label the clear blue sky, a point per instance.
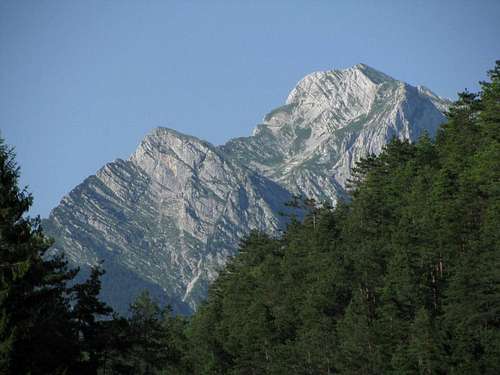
(81, 82)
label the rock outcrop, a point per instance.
(168, 218)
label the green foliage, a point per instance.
(402, 279)
(151, 341)
(36, 331)
(85, 313)
(48, 326)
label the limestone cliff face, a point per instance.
(329, 121)
(168, 218)
(170, 215)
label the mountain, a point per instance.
(167, 218)
(329, 121)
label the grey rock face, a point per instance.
(331, 120)
(172, 214)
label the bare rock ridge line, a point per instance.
(171, 214)
(330, 120)
(168, 218)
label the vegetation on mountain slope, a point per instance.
(403, 278)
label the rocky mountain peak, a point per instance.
(329, 98)
(325, 101)
(167, 218)
(170, 215)
(373, 74)
(163, 146)
(329, 121)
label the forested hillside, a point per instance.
(401, 278)
(404, 278)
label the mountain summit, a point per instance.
(330, 120)
(168, 218)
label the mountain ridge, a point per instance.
(177, 208)
(346, 107)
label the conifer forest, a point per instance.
(400, 277)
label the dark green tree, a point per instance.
(36, 331)
(154, 346)
(14, 252)
(88, 312)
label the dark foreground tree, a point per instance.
(49, 325)
(36, 331)
(88, 313)
(151, 341)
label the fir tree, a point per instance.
(36, 331)
(88, 312)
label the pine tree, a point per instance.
(16, 236)
(86, 312)
(36, 331)
(150, 339)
